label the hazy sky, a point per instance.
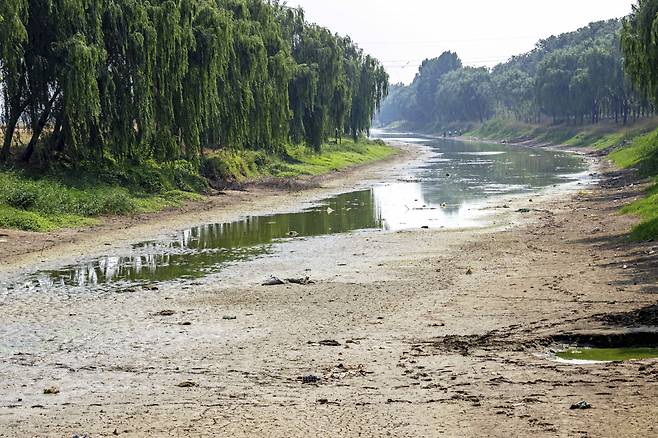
(401, 33)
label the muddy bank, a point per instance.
(21, 250)
(415, 333)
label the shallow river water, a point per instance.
(448, 190)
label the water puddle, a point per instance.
(446, 191)
(596, 355)
(602, 347)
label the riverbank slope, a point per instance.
(23, 249)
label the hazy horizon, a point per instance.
(402, 37)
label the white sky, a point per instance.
(401, 33)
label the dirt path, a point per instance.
(418, 333)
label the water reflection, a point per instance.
(204, 250)
(447, 190)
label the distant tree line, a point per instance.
(575, 78)
(165, 79)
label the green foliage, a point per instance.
(572, 78)
(56, 200)
(640, 45)
(647, 230)
(641, 152)
(39, 222)
(160, 82)
(647, 209)
(298, 160)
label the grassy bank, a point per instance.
(603, 135)
(297, 161)
(39, 200)
(634, 146)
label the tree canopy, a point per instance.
(640, 45)
(574, 77)
(165, 79)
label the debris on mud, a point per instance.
(303, 281)
(311, 378)
(229, 318)
(581, 405)
(325, 401)
(329, 343)
(276, 281)
(187, 384)
(165, 313)
(273, 281)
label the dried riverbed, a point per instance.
(411, 333)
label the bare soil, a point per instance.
(416, 333)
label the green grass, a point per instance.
(334, 157)
(36, 221)
(601, 136)
(296, 161)
(642, 153)
(45, 200)
(52, 202)
(608, 354)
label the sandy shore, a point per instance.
(416, 333)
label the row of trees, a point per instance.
(576, 77)
(164, 79)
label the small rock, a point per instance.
(187, 384)
(166, 313)
(53, 390)
(229, 318)
(310, 379)
(293, 234)
(469, 271)
(425, 227)
(581, 405)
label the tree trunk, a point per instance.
(38, 129)
(10, 129)
(9, 135)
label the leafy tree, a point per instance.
(640, 45)
(131, 80)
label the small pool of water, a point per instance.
(448, 190)
(607, 354)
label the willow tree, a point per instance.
(640, 45)
(13, 36)
(112, 81)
